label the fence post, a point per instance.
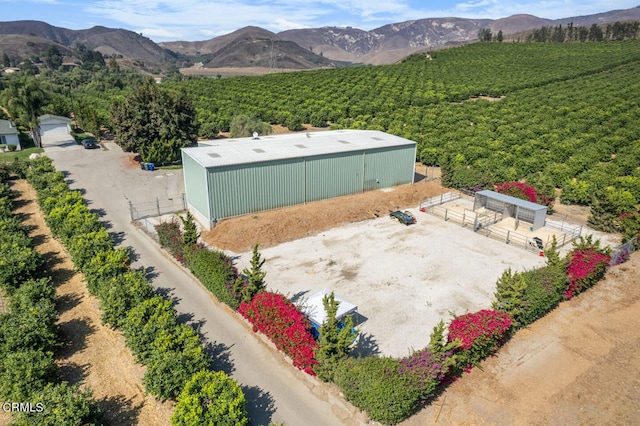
(508, 234)
(446, 212)
(441, 200)
(158, 205)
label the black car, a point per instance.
(403, 217)
(89, 144)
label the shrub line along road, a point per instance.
(274, 392)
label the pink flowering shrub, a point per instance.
(170, 238)
(276, 317)
(480, 334)
(521, 190)
(585, 267)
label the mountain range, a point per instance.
(292, 49)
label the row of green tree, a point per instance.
(177, 364)
(28, 332)
(628, 30)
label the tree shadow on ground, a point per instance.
(260, 405)
(67, 302)
(118, 237)
(119, 410)
(150, 273)
(58, 276)
(100, 212)
(73, 335)
(366, 345)
(221, 355)
(298, 297)
(73, 373)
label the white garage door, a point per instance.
(54, 129)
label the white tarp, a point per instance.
(313, 307)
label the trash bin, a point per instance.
(141, 165)
(151, 167)
(145, 166)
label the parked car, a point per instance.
(89, 144)
(403, 217)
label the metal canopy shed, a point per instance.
(520, 210)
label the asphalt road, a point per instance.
(108, 182)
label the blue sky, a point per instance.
(167, 20)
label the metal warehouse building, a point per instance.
(233, 177)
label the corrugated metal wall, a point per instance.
(195, 186)
(387, 167)
(333, 175)
(248, 188)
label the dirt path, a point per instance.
(578, 365)
(291, 223)
(92, 354)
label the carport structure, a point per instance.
(520, 210)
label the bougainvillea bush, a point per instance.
(521, 190)
(279, 319)
(480, 334)
(170, 238)
(585, 267)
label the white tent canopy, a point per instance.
(313, 307)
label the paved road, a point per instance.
(109, 181)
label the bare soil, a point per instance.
(291, 223)
(577, 365)
(92, 355)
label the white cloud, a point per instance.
(199, 19)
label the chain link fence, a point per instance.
(158, 207)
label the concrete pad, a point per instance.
(404, 279)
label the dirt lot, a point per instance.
(92, 355)
(578, 365)
(291, 223)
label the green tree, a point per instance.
(88, 117)
(210, 398)
(243, 126)
(190, 233)
(150, 115)
(255, 276)
(53, 57)
(63, 404)
(25, 99)
(499, 37)
(334, 340)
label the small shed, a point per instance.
(520, 210)
(313, 308)
(54, 125)
(9, 134)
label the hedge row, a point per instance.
(173, 353)
(28, 333)
(213, 268)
